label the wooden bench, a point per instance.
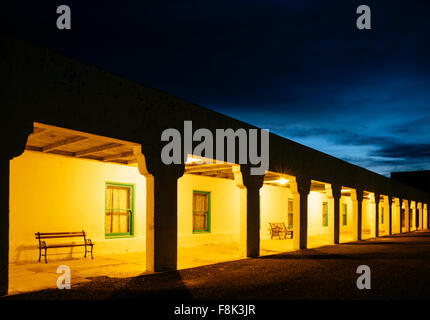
(55, 235)
(280, 230)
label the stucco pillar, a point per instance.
(407, 216)
(4, 223)
(300, 187)
(249, 193)
(398, 206)
(333, 194)
(420, 215)
(426, 215)
(377, 200)
(161, 210)
(390, 215)
(357, 210)
(401, 204)
(17, 129)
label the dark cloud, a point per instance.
(406, 151)
(298, 68)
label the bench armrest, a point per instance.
(42, 244)
(89, 242)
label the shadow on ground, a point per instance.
(166, 285)
(400, 270)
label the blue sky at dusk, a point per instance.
(298, 68)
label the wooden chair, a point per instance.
(279, 229)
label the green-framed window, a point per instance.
(201, 211)
(290, 213)
(344, 214)
(325, 214)
(119, 210)
(382, 215)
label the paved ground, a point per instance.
(35, 276)
(400, 268)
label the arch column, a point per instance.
(398, 209)
(4, 223)
(408, 215)
(357, 211)
(333, 194)
(426, 215)
(406, 211)
(420, 215)
(161, 209)
(17, 129)
(249, 197)
(377, 199)
(300, 187)
(390, 215)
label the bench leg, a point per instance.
(92, 252)
(40, 253)
(85, 255)
(46, 261)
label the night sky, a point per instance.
(298, 68)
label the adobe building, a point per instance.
(82, 152)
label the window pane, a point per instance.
(345, 214)
(290, 220)
(290, 213)
(290, 206)
(325, 214)
(117, 221)
(200, 221)
(200, 202)
(118, 197)
(200, 211)
(118, 209)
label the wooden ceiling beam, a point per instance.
(97, 149)
(33, 148)
(61, 143)
(84, 134)
(215, 172)
(37, 131)
(211, 167)
(118, 156)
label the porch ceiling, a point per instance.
(50, 139)
(224, 170)
(215, 170)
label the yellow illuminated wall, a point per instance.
(348, 228)
(368, 219)
(53, 193)
(315, 221)
(224, 211)
(274, 207)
